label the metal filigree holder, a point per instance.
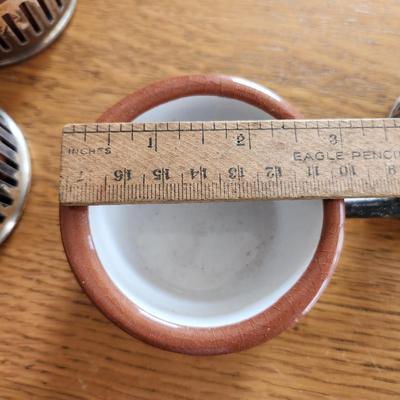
(27, 27)
(15, 174)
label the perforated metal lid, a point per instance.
(27, 27)
(15, 174)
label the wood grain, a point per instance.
(331, 59)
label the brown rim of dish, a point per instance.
(92, 277)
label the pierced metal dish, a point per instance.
(27, 27)
(15, 174)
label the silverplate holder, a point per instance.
(15, 174)
(27, 27)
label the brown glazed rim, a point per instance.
(106, 296)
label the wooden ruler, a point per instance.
(124, 163)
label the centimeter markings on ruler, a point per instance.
(127, 163)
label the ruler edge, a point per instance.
(66, 127)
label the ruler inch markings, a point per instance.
(267, 167)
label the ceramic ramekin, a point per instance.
(200, 330)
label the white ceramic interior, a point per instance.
(206, 265)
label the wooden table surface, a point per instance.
(332, 59)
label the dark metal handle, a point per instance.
(373, 208)
(395, 111)
(376, 207)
